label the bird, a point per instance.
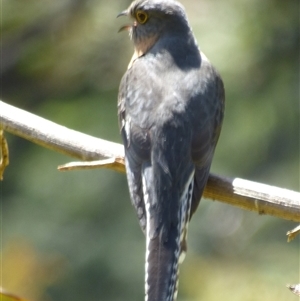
(170, 112)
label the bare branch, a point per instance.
(253, 196)
(257, 197)
(56, 137)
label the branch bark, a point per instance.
(261, 198)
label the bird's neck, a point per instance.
(179, 47)
(182, 50)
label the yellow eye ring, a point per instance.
(141, 16)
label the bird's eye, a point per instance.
(141, 16)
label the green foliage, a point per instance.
(74, 235)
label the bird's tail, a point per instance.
(164, 253)
(162, 258)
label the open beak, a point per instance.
(125, 27)
(123, 13)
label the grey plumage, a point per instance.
(171, 103)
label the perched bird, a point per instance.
(170, 108)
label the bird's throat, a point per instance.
(135, 56)
(141, 47)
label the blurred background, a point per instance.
(74, 235)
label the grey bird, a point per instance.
(170, 109)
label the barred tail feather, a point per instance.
(162, 268)
(163, 256)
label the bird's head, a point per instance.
(153, 20)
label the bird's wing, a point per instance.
(206, 138)
(137, 147)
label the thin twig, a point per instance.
(4, 154)
(248, 195)
(293, 233)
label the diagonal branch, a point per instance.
(263, 199)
